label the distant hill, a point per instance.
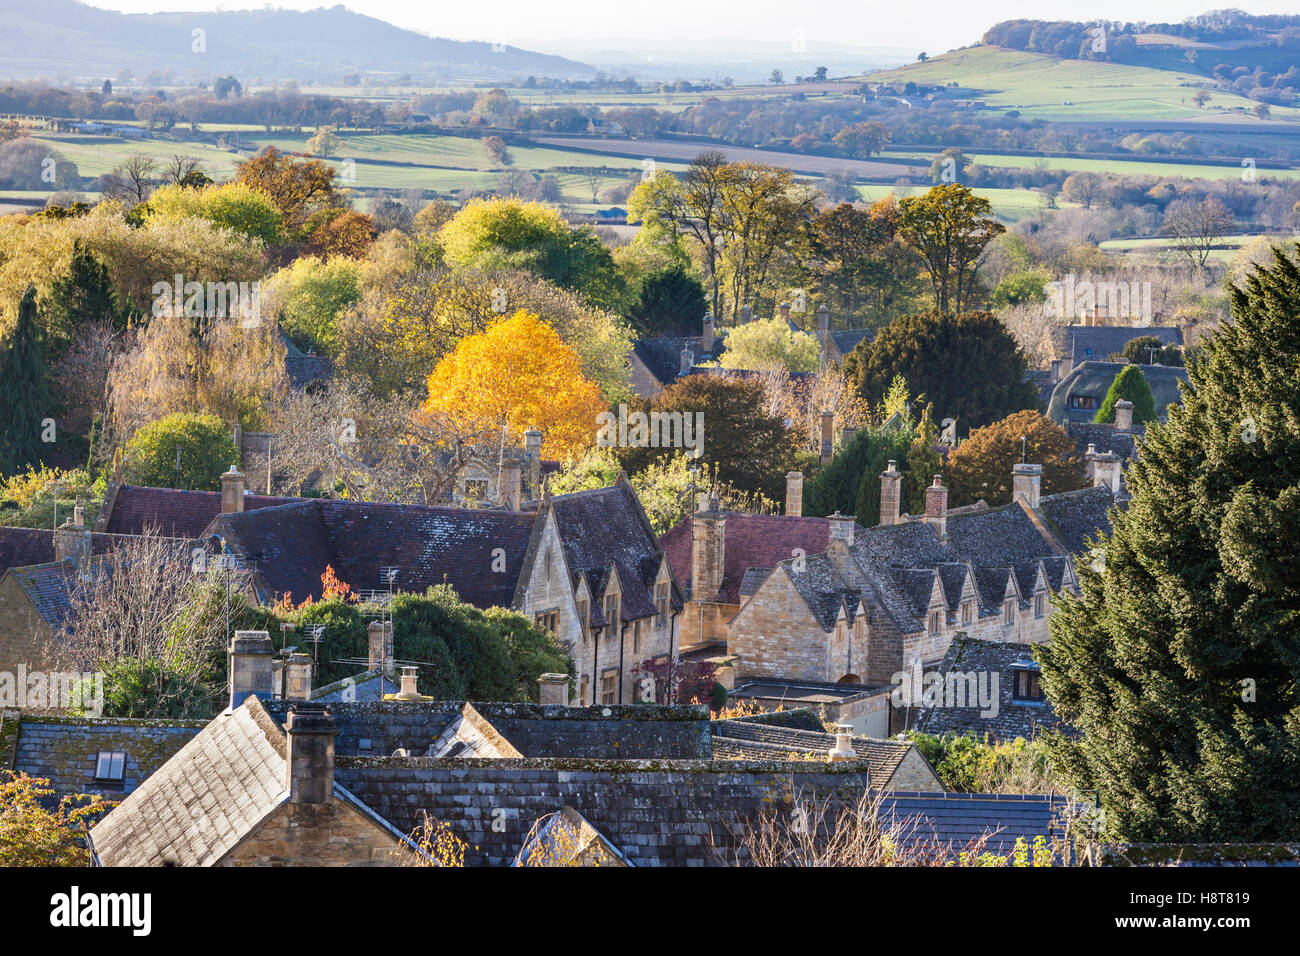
(56, 38)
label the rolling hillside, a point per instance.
(64, 38)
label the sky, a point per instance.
(930, 25)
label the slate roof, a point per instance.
(751, 542)
(303, 369)
(20, 547)
(846, 340)
(63, 750)
(949, 821)
(662, 358)
(290, 545)
(741, 739)
(1013, 718)
(208, 797)
(1097, 343)
(1093, 379)
(1043, 380)
(894, 566)
(605, 528)
(1106, 437)
(174, 513)
(567, 838)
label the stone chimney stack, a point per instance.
(794, 494)
(533, 457)
(824, 332)
(843, 744)
(1104, 468)
(688, 362)
(828, 437)
(706, 340)
(847, 434)
(891, 494)
(746, 314)
(232, 491)
(783, 312)
(1026, 483)
(936, 507)
(72, 540)
(1123, 415)
(708, 551)
(841, 529)
(379, 637)
(309, 753)
(251, 666)
(554, 689)
(297, 682)
(510, 485)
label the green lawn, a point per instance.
(1044, 87)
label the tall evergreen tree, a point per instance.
(83, 295)
(1129, 384)
(1179, 661)
(24, 385)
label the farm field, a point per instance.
(1224, 249)
(1136, 167)
(1009, 205)
(1044, 87)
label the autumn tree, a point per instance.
(298, 186)
(324, 142)
(861, 140)
(37, 830)
(967, 365)
(949, 226)
(981, 466)
(770, 343)
(235, 206)
(516, 375)
(339, 232)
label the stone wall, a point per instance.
(661, 813)
(316, 834)
(24, 635)
(776, 636)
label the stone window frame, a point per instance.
(609, 686)
(967, 612)
(662, 595)
(1009, 612)
(1040, 605)
(549, 619)
(936, 621)
(584, 619)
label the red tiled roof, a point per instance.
(175, 513)
(20, 547)
(751, 541)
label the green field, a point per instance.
(1009, 205)
(1225, 247)
(1074, 164)
(1044, 87)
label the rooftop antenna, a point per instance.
(1023, 442)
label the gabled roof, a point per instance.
(1097, 343)
(604, 531)
(751, 542)
(174, 513)
(1013, 718)
(20, 547)
(846, 340)
(1106, 437)
(290, 545)
(662, 357)
(567, 838)
(740, 739)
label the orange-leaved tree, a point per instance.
(516, 375)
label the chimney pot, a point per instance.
(309, 754)
(936, 507)
(410, 678)
(843, 743)
(553, 688)
(841, 528)
(232, 491)
(794, 494)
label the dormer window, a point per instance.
(967, 612)
(1009, 613)
(611, 612)
(661, 604)
(110, 767)
(1040, 605)
(1025, 686)
(936, 622)
(583, 620)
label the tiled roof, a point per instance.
(1097, 343)
(566, 838)
(49, 587)
(1013, 718)
(1106, 438)
(605, 528)
(894, 565)
(846, 340)
(882, 756)
(1044, 380)
(63, 751)
(751, 542)
(290, 545)
(663, 356)
(20, 547)
(949, 821)
(174, 513)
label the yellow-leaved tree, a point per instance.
(518, 374)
